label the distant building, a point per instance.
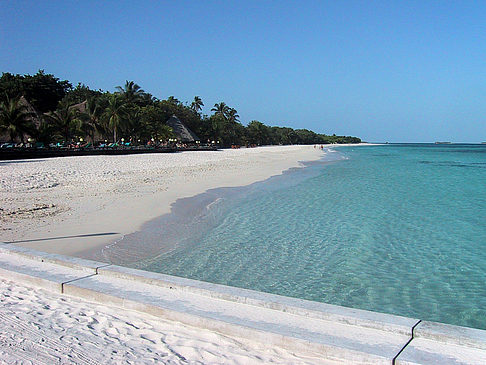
(33, 115)
(81, 107)
(183, 133)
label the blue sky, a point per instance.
(398, 71)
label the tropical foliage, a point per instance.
(15, 119)
(66, 114)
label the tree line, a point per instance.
(46, 109)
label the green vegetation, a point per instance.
(47, 109)
(15, 119)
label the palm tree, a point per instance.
(133, 122)
(15, 119)
(221, 109)
(115, 114)
(153, 125)
(159, 131)
(173, 100)
(131, 92)
(197, 104)
(232, 115)
(90, 119)
(63, 120)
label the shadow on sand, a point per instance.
(62, 237)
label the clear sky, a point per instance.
(398, 71)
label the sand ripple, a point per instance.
(39, 327)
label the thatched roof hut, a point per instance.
(181, 131)
(33, 115)
(81, 107)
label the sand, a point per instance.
(74, 204)
(39, 327)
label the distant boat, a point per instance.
(443, 142)
(483, 142)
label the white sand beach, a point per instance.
(85, 198)
(73, 204)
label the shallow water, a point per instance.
(396, 228)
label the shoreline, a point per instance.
(68, 205)
(186, 222)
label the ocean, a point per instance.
(395, 228)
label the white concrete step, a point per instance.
(38, 273)
(88, 266)
(334, 332)
(310, 309)
(439, 343)
(337, 333)
(333, 340)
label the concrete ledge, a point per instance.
(88, 266)
(424, 351)
(331, 339)
(439, 343)
(450, 334)
(357, 317)
(36, 272)
(339, 334)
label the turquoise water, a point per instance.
(397, 228)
